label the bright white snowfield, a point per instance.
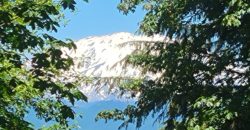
(103, 57)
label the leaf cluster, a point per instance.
(32, 62)
(204, 82)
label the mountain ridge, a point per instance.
(101, 56)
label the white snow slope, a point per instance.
(100, 56)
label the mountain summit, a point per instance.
(99, 56)
(102, 56)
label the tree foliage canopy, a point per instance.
(205, 72)
(31, 64)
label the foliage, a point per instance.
(204, 82)
(31, 64)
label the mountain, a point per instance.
(103, 57)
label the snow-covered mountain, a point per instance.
(102, 56)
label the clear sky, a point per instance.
(99, 17)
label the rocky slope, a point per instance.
(102, 56)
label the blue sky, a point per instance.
(99, 17)
(90, 110)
